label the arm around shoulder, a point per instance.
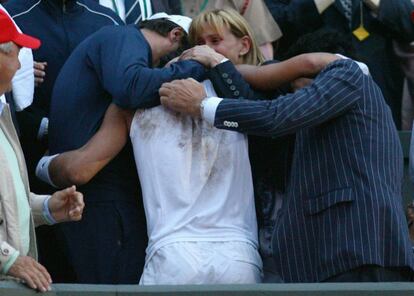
(332, 93)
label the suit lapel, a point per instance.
(11, 135)
(339, 7)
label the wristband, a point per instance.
(42, 169)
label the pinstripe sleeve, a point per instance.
(333, 92)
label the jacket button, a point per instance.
(224, 75)
(236, 93)
(232, 87)
(5, 252)
(229, 81)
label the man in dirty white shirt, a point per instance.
(201, 221)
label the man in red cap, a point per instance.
(10, 43)
(20, 209)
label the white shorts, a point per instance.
(184, 263)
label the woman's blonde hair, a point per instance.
(217, 19)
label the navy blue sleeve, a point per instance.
(123, 59)
(228, 83)
(334, 91)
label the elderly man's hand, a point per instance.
(31, 272)
(67, 205)
(183, 96)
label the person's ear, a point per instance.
(246, 44)
(176, 34)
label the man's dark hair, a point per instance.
(322, 40)
(164, 26)
(161, 26)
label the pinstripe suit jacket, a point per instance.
(343, 202)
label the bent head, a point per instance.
(168, 33)
(322, 40)
(228, 33)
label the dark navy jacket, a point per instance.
(343, 201)
(60, 27)
(112, 65)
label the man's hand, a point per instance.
(203, 54)
(300, 83)
(31, 272)
(66, 205)
(315, 62)
(183, 96)
(39, 72)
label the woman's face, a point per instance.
(226, 43)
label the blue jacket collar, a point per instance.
(60, 5)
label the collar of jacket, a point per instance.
(62, 6)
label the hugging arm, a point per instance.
(81, 165)
(255, 82)
(335, 91)
(272, 76)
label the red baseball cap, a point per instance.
(9, 32)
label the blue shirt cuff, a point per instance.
(10, 262)
(46, 212)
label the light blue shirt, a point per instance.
(21, 196)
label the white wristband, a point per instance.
(42, 169)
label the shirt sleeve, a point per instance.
(8, 256)
(36, 205)
(209, 107)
